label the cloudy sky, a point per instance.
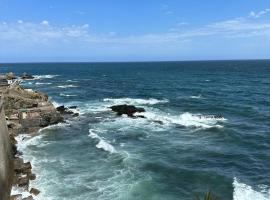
(133, 30)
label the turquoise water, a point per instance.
(101, 156)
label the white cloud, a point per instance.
(260, 13)
(20, 21)
(45, 23)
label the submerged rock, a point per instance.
(16, 197)
(128, 110)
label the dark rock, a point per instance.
(72, 107)
(23, 182)
(50, 118)
(27, 76)
(129, 110)
(16, 197)
(75, 115)
(28, 198)
(34, 191)
(64, 110)
(32, 176)
(158, 121)
(24, 168)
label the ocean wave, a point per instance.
(72, 81)
(67, 86)
(150, 101)
(67, 95)
(39, 83)
(16, 190)
(196, 97)
(246, 192)
(186, 119)
(102, 144)
(37, 77)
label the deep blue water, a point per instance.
(100, 156)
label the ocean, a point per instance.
(177, 152)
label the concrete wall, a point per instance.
(6, 158)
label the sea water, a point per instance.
(175, 153)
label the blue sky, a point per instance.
(125, 30)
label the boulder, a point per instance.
(23, 182)
(16, 197)
(66, 111)
(34, 191)
(28, 198)
(129, 110)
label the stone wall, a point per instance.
(6, 158)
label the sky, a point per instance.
(133, 30)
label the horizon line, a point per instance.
(147, 61)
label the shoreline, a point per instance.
(27, 112)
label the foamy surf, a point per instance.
(67, 95)
(186, 119)
(102, 144)
(37, 77)
(39, 83)
(67, 86)
(132, 101)
(246, 192)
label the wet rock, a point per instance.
(34, 191)
(23, 182)
(27, 76)
(32, 176)
(28, 198)
(72, 107)
(16, 197)
(128, 110)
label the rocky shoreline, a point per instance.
(27, 112)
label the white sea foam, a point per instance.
(67, 95)
(102, 144)
(67, 86)
(16, 190)
(150, 101)
(37, 77)
(246, 192)
(39, 83)
(196, 97)
(72, 81)
(186, 119)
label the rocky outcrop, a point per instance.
(26, 76)
(128, 110)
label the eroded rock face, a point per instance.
(128, 110)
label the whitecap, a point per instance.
(67, 86)
(186, 119)
(37, 77)
(135, 101)
(39, 83)
(67, 95)
(246, 192)
(196, 97)
(102, 144)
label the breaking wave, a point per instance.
(37, 77)
(102, 144)
(150, 101)
(39, 83)
(246, 192)
(186, 119)
(67, 86)
(67, 95)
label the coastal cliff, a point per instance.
(6, 158)
(23, 111)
